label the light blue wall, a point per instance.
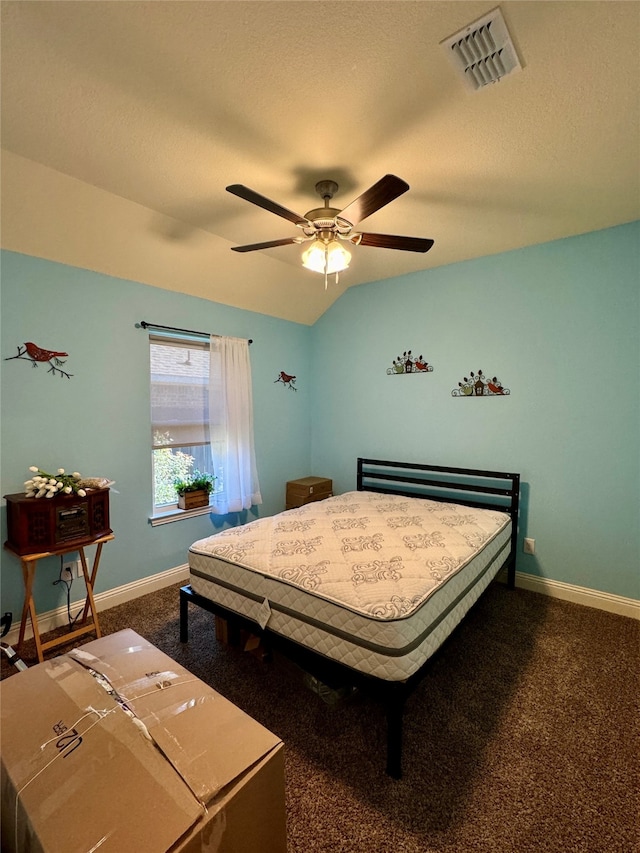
(559, 324)
(97, 422)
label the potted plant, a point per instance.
(194, 490)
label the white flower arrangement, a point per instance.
(43, 485)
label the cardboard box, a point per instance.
(114, 747)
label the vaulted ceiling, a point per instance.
(156, 107)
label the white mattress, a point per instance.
(374, 581)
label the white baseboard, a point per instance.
(555, 589)
(112, 597)
(580, 595)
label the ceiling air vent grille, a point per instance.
(483, 51)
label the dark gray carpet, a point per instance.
(524, 736)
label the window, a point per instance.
(181, 437)
(202, 421)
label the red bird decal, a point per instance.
(35, 354)
(287, 380)
(38, 354)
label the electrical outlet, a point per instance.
(67, 572)
(529, 546)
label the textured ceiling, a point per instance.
(165, 103)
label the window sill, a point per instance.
(170, 515)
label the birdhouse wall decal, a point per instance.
(408, 363)
(38, 355)
(477, 385)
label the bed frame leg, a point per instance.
(184, 615)
(395, 710)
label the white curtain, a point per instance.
(231, 424)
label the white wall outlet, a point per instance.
(67, 574)
(529, 546)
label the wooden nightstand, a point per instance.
(307, 489)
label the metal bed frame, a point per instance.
(466, 486)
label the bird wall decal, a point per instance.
(36, 354)
(287, 380)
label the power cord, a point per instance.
(68, 584)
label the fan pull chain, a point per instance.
(326, 260)
(326, 267)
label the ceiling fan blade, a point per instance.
(395, 241)
(268, 245)
(266, 203)
(381, 193)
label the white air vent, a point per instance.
(483, 52)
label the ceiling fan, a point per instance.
(325, 227)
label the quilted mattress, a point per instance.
(375, 581)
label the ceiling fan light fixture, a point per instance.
(328, 227)
(326, 257)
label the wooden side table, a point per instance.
(29, 563)
(307, 489)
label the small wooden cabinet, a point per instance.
(307, 489)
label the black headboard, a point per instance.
(468, 486)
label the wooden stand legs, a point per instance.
(29, 564)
